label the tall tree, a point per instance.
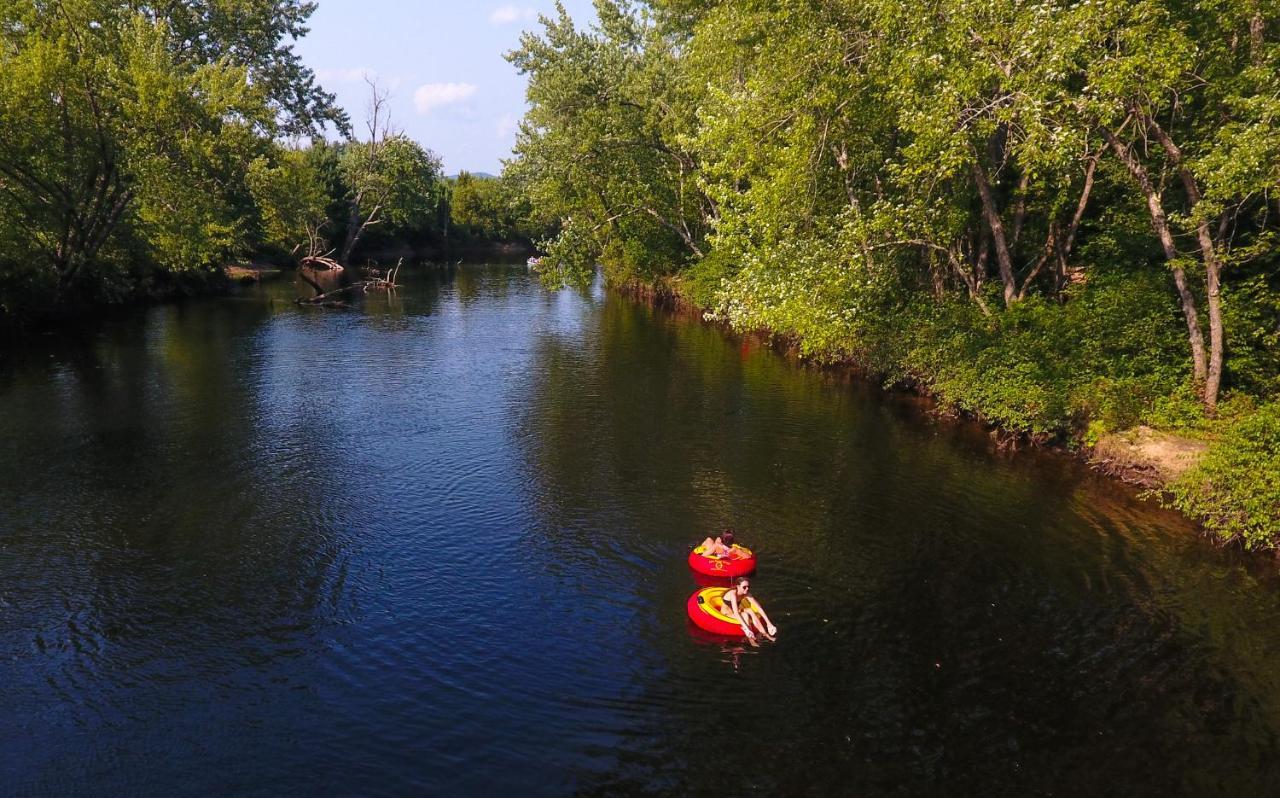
(390, 179)
(1189, 103)
(595, 149)
(153, 112)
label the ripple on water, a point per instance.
(437, 545)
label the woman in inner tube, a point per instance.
(747, 609)
(721, 546)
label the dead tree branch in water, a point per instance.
(326, 298)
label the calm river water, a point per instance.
(436, 546)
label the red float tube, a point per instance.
(739, 563)
(709, 613)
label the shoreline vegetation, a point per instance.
(143, 149)
(1061, 219)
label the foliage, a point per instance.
(599, 147)
(257, 35)
(398, 177)
(1060, 217)
(488, 209)
(310, 199)
(1236, 489)
(125, 134)
(291, 199)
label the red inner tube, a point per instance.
(708, 613)
(743, 563)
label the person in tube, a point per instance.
(722, 546)
(741, 605)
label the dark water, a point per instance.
(436, 546)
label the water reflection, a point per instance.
(951, 622)
(435, 543)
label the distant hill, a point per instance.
(480, 175)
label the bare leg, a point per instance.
(754, 620)
(770, 630)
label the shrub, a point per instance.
(1236, 488)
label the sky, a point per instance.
(451, 89)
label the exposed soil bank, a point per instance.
(1147, 457)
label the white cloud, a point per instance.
(509, 13)
(507, 124)
(436, 95)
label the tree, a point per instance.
(125, 130)
(257, 35)
(292, 202)
(596, 149)
(488, 208)
(390, 179)
(1179, 94)
(146, 148)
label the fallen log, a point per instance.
(324, 298)
(321, 263)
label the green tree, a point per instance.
(257, 35)
(290, 195)
(145, 149)
(390, 179)
(489, 208)
(125, 132)
(596, 150)
(1188, 100)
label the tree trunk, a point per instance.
(971, 275)
(992, 214)
(684, 234)
(1257, 35)
(1067, 275)
(1160, 221)
(1020, 207)
(354, 229)
(1212, 269)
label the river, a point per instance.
(436, 545)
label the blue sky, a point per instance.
(451, 88)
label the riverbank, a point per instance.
(1224, 472)
(251, 272)
(153, 286)
(1147, 457)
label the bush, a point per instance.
(1102, 360)
(1236, 488)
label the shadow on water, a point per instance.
(953, 622)
(435, 543)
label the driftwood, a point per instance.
(326, 298)
(321, 263)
